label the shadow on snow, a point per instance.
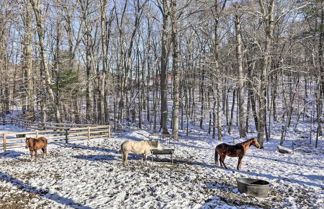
(95, 157)
(286, 162)
(52, 196)
(80, 146)
(12, 154)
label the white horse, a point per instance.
(139, 147)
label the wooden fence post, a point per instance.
(66, 135)
(36, 133)
(4, 142)
(109, 132)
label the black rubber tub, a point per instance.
(254, 187)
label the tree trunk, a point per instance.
(266, 63)
(232, 112)
(47, 82)
(176, 77)
(69, 32)
(164, 71)
(239, 56)
(103, 75)
(320, 91)
(216, 79)
(28, 66)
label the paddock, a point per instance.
(54, 132)
(91, 175)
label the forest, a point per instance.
(166, 65)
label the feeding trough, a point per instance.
(254, 187)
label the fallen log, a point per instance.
(285, 150)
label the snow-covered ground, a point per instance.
(91, 175)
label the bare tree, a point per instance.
(267, 12)
(28, 66)
(176, 78)
(239, 56)
(5, 93)
(216, 84)
(40, 31)
(165, 10)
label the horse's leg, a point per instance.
(239, 163)
(35, 155)
(31, 155)
(216, 158)
(144, 158)
(125, 156)
(222, 159)
(45, 150)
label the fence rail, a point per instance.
(39, 125)
(57, 133)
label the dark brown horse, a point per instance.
(237, 150)
(35, 144)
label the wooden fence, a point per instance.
(38, 125)
(60, 132)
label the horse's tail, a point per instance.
(45, 146)
(122, 150)
(124, 153)
(216, 157)
(121, 147)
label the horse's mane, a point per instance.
(32, 140)
(245, 141)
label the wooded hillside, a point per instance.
(166, 64)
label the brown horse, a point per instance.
(237, 150)
(35, 144)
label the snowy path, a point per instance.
(92, 176)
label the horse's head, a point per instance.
(255, 142)
(29, 142)
(28, 139)
(155, 144)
